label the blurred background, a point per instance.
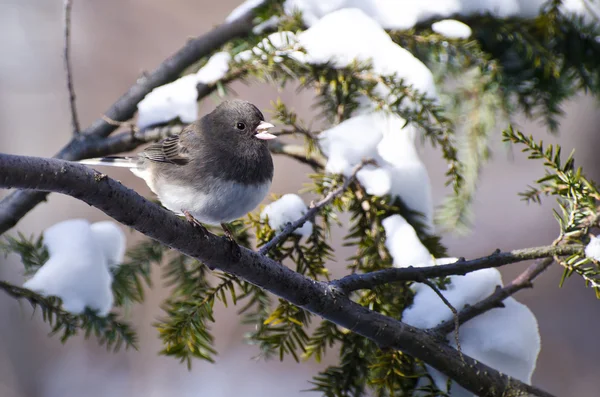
(113, 43)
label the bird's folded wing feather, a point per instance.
(169, 150)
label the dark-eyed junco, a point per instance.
(217, 170)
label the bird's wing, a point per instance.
(170, 150)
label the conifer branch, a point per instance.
(314, 208)
(129, 208)
(107, 329)
(371, 280)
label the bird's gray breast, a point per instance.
(214, 202)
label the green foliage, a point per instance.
(32, 251)
(108, 330)
(348, 377)
(544, 60)
(129, 277)
(577, 199)
(185, 329)
(474, 104)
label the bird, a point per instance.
(215, 171)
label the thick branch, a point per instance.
(355, 282)
(16, 205)
(495, 300)
(314, 208)
(129, 208)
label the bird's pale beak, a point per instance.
(262, 131)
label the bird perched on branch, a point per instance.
(216, 170)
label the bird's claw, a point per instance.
(195, 222)
(228, 233)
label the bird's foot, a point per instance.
(195, 222)
(228, 233)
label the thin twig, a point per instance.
(452, 309)
(524, 280)
(355, 282)
(67, 61)
(298, 152)
(314, 208)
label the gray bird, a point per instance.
(215, 171)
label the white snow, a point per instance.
(403, 244)
(215, 69)
(347, 143)
(376, 181)
(592, 250)
(381, 137)
(78, 270)
(242, 9)
(289, 208)
(111, 239)
(346, 44)
(281, 43)
(268, 24)
(178, 99)
(506, 339)
(402, 15)
(452, 29)
(167, 102)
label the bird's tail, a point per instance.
(112, 161)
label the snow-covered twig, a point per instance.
(131, 209)
(524, 280)
(67, 60)
(355, 282)
(314, 208)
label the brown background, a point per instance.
(113, 42)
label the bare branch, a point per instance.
(524, 280)
(16, 205)
(129, 208)
(67, 61)
(355, 282)
(314, 208)
(298, 152)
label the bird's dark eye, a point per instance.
(241, 126)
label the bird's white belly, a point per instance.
(225, 202)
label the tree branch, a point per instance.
(524, 280)
(297, 152)
(16, 205)
(129, 208)
(314, 208)
(67, 61)
(355, 282)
